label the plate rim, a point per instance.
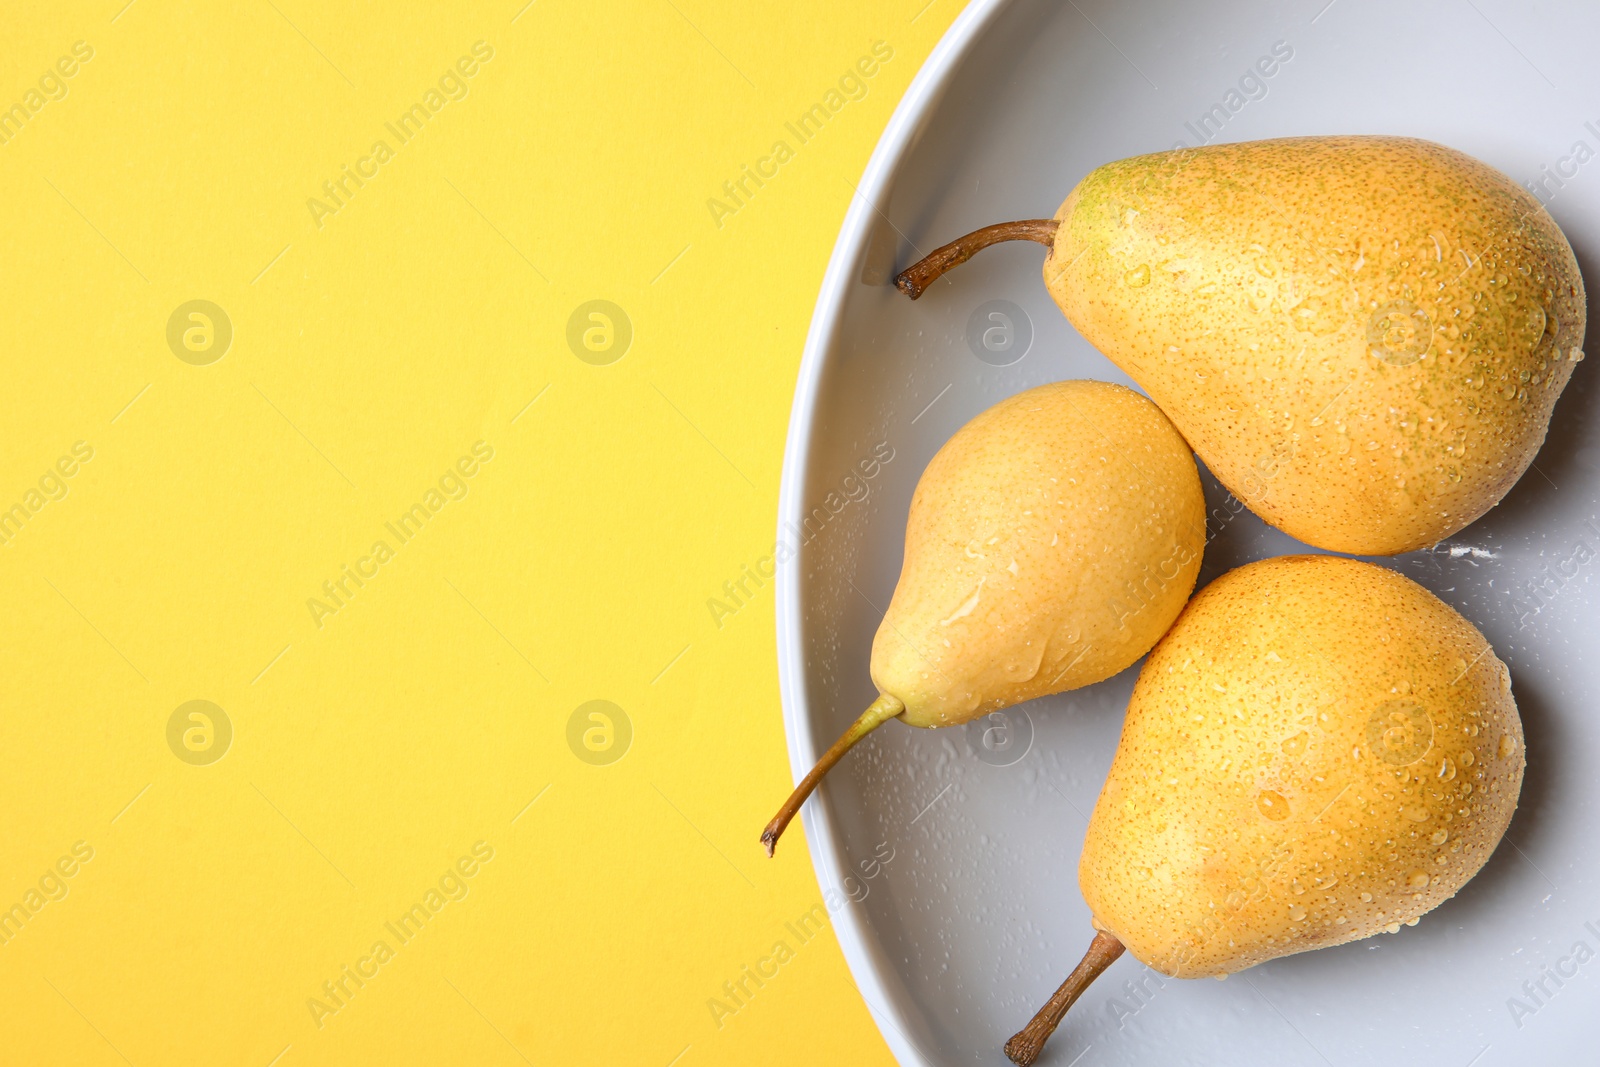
(885, 998)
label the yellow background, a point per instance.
(368, 355)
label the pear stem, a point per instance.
(1025, 1047)
(915, 279)
(881, 711)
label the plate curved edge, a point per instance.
(879, 988)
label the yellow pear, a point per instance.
(1317, 751)
(1362, 337)
(1049, 545)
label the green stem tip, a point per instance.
(881, 711)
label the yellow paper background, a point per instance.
(369, 353)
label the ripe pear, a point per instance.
(1050, 543)
(1362, 337)
(1317, 751)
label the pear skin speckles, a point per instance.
(1306, 762)
(1050, 543)
(1363, 337)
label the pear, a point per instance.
(1317, 751)
(1049, 545)
(1362, 337)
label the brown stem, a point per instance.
(1024, 1048)
(916, 278)
(881, 711)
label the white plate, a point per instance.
(962, 934)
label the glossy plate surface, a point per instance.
(950, 863)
